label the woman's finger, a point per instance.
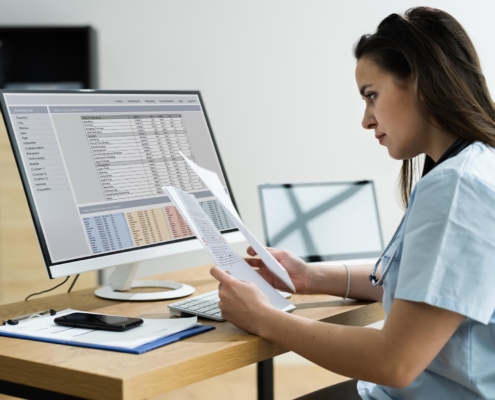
(251, 251)
(255, 262)
(220, 275)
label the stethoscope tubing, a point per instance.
(379, 282)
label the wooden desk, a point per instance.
(97, 374)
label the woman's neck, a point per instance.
(439, 144)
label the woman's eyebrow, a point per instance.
(363, 88)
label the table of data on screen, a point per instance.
(136, 155)
(121, 230)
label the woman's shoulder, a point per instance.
(474, 165)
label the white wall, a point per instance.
(277, 78)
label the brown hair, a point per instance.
(435, 48)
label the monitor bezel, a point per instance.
(322, 257)
(114, 258)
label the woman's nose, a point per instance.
(369, 121)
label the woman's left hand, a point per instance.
(242, 303)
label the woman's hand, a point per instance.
(298, 270)
(242, 303)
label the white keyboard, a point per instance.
(204, 305)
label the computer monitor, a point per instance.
(93, 164)
(323, 221)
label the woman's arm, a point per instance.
(332, 280)
(413, 335)
(316, 278)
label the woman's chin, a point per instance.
(397, 154)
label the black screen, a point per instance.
(47, 58)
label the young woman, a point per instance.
(425, 94)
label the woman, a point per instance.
(421, 80)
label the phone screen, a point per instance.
(98, 321)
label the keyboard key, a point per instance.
(194, 308)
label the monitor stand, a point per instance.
(122, 279)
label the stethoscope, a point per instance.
(379, 282)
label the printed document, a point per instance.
(211, 180)
(221, 252)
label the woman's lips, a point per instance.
(380, 137)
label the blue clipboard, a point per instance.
(137, 350)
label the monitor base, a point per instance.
(122, 279)
(178, 290)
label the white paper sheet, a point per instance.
(149, 331)
(221, 252)
(211, 180)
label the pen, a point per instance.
(15, 321)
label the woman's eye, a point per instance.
(371, 96)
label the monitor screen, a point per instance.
(93, 165)
(322, 221)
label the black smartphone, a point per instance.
(98, 321)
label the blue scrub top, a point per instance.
(446, 258)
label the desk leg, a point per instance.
(29, 392)
(265, 380)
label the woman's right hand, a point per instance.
(298, 270)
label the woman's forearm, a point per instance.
(342, 349)
(332, 280)
(411, 338)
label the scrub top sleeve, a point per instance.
(448, 255)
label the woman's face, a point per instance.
(390, 111)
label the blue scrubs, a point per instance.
(446, 258)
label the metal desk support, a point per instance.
(265, 380)
(28, 392)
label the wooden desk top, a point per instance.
(98, 374)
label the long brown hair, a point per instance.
(435, 48)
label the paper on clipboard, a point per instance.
(211, 180)
(221, 252)
(45, 329)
